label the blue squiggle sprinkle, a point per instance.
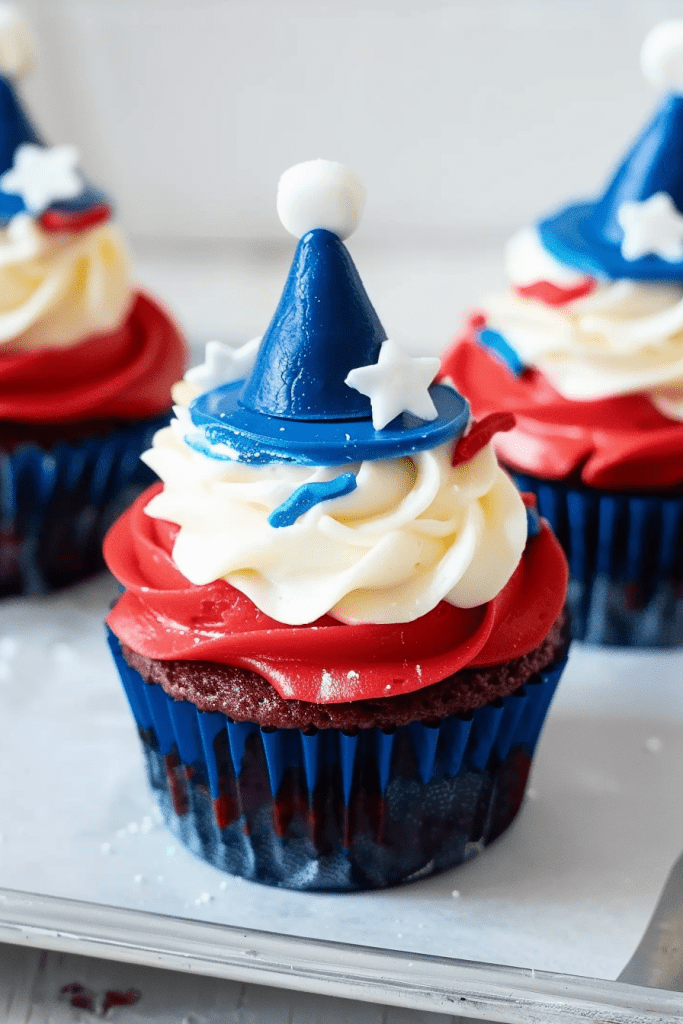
(498, 346)
(309, 495)
(533, 522)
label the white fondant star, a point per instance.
(40, 175)
(653, 227)
(223, 364)
(396, 383)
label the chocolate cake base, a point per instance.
(245, 696)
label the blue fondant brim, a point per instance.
(570, 236)
(260, 439)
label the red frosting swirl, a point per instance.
(620, 443)
(125, 374)
(163, 616)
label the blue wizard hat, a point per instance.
(327, 386)
(34, 178)
(635, 229)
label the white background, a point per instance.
(463, 116)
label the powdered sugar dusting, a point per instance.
(326, 685)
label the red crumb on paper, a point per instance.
(113, 998)
(80, 997)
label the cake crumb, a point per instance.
(105, 848)
(455, 894)
(138, 879)
(531, 793)
(653, 744)
(205, 897)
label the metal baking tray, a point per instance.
(536, 927)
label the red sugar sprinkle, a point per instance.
(56, 220)
(480, 434)
(476, 321)
(553, 294)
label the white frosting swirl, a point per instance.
(624, 337)
(58, 288)
(415, 531)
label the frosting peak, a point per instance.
(58, 288)
(623, 337)
(414, 531)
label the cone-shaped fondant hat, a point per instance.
(34, 178)
(635, 229)
(327, 387)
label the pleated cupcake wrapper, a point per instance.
(106, 471)
(625, 558)
(454, 745)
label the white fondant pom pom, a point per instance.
(661, 56)
(17, 42)
(320, 194)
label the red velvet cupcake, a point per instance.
(86, 360)
(586, 350)
(341, 628)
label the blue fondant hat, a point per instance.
(593, 236)
(66, 212)
(296, 405)
(324, 327)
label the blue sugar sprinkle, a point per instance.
(309, 495)
(533, 522)
(498, 346)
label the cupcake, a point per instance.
(586, 350)
(86, 360)
(340, 627)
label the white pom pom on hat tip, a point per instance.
(320, 194)
(661, 56)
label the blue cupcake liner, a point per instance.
(330, 810)
(625, 558)
(57, 504)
